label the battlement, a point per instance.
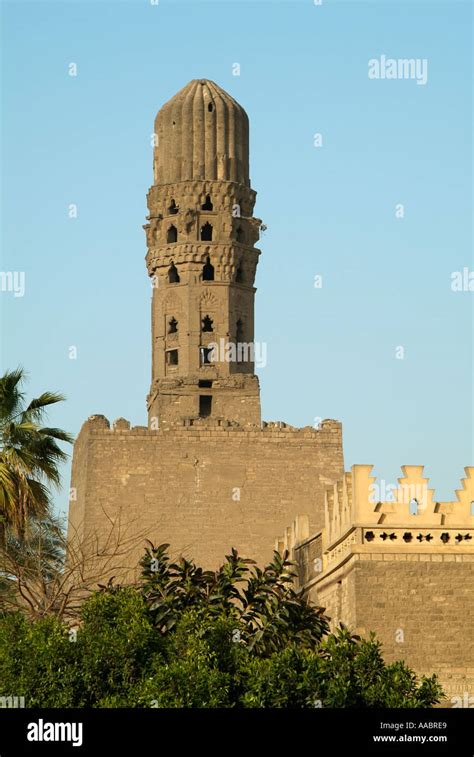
(99, 425)
(357, 500)
(409, 519)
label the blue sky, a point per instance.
(330, 210)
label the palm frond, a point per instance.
(36, 408)
(29, 454)
(10, 395)
(57, 433)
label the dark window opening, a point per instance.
(205, 384)
(172, 235)
(239, 275)
(205, 355)
(173, 275)
(207, 324)
(206, 232)
(208, 270)
(173, 208)
(240, 236)
(240, 331)
(208, 204)
(205, 405)
(172, 357)
(172, 326)
(210, 107)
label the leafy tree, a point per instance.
(36, 661)
(199, 666)
(29, 454)
(267, 611)
(346, 671)
(239, 637)
(114, 645)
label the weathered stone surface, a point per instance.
(203, 489)
(202, 261)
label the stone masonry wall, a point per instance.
(427, 603)
(421, 606)
(202, 489)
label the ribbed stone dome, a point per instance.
(203, 133)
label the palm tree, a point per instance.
(29, 455)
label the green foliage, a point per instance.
(114, 643)
(197, 668)
(98, 663)
(191, 638)
(346, 671)
(36, 661)
(269, 613)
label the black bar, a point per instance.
(158, 731)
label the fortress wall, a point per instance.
(202, 489)
(421, 607)
(430, 599)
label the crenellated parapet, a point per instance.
(363, 516)
(330, 431)
(361, 511)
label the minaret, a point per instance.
(202, 262)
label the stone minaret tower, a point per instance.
(202, 262)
